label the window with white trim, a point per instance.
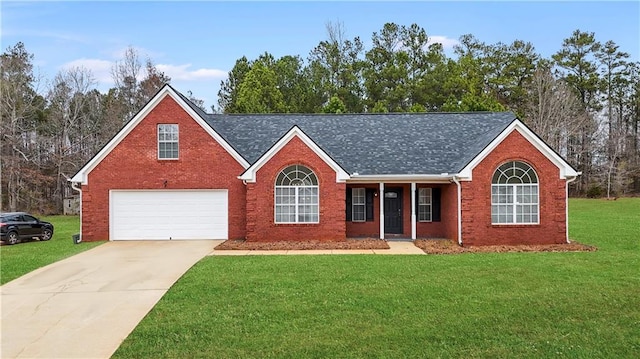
(296, 196)
(424, 205)
(358, 205)
(514, 194)
(168, 141)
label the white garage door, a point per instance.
(165, 214)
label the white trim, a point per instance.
(296, 205)
(165, 141)
(430, 204)
(440, 178)
(363, 204)
(79, 189)
(413, 210)
(566, 171)
(514, 205)
(459, 186)
(566, 205)
(381, 196)
(249, 174)
(82, 175)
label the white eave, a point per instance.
(82, 175)
(249, 174)
(565, 169)
(405, 178)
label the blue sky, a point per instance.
(196, 43)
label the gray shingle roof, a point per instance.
(372, 144)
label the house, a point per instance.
(175, 172)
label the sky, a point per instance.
(197, 43)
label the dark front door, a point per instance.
(393, 210)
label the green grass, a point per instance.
(22, 258)
(508, 305)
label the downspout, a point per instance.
(566, 206)
(457, 182)
(73, 185)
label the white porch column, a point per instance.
(381, 196)
(413, 210)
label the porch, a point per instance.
(401, 210)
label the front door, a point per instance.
(393, 210)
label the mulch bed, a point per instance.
(303, 245)
(445, 246)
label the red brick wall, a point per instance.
(366, 229)
(436, 229)
(449, 211)
(261, 224)
(133, 164)
(476, 199)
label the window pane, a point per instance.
(168, 141)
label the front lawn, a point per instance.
(487, 305)
(22, 258)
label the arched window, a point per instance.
(514, 194)
(296, 196)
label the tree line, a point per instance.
(584, 101)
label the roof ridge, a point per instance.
(359, 113)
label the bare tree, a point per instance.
(126, 74)
(554, 112)
(67, 125)
(20, 109)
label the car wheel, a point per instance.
(12, 238)
(46, 234)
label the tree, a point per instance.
(473, 91)
(196, 101)
(386, 71)
(577, 60)
(21, 110)
(134, 87)
(294, 85)
(152, 82)
(335, 105)
(335, 68)
(228, 93)
(509, 69)
(66, 128)
(553, 111)
(613, 66)
(258, 92)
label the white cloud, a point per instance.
(447, 43)
(101, 69)
(183, 73)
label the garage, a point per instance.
(168, 214)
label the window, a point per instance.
(514, 194)
(424, 204)
(167, 142)
(296, 196)
(358, 205)
(26, 218)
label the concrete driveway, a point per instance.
(86, 305)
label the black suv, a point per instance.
(15, 226)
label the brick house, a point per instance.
(176, 172)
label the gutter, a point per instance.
(457, 182)
(439, 178)
(73, 185)
(566, 206)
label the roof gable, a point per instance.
(565, 169)
(249, 174)
(82, 175)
